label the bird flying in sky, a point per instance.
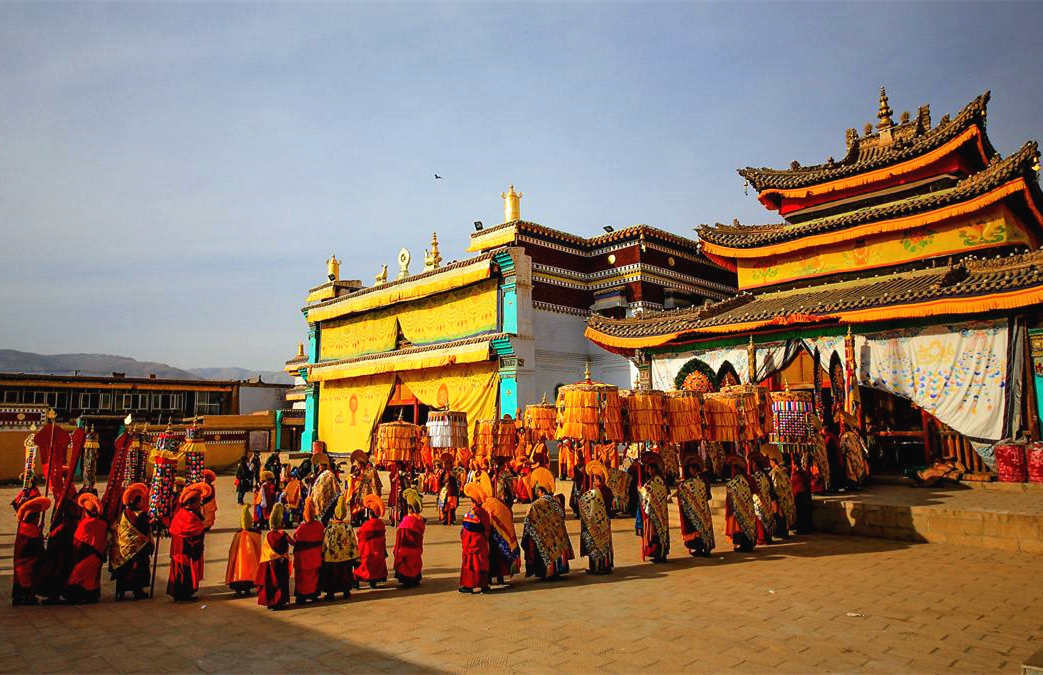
(437, 177)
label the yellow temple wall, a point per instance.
(12, 454)
(989, 228)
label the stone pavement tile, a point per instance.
(683, 616)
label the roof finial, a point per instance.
(511, 205)
(586, 371)
(432, 258)
(333, 268)
(884, 114)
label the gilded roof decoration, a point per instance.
(999, 171)
(891, 144)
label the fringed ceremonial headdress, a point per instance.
(267, 475)
(596, 468)
(310, 513)
(276, 516)
(413, 499)
(192, 493)
(475, 492)
(209, 476)
(35, 505)
(359, 456)
(340, 511)
(542, 477)
(246, 518)
(89, 503)
(374, 504)
(135, 496)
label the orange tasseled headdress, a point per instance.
(89, 503)
(374, 504)
(35, 505)
(134, 493)
(309, 510)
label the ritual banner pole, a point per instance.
(155, 562)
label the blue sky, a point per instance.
(173, 176)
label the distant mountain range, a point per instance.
(13, 361)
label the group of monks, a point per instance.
(83, 534)
(324, 528)
(340, 538)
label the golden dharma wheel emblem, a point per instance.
(217, 437)
(670, 261)
(611, 258)
(21, 416)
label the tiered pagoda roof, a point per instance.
(1023, 164)
(970, 286)
(893, 231)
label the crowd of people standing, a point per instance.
(320, 528)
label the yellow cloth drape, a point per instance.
(350, 409)
(469, 388)
(451, 316)
(448, 279)
(469, 352)
(358, 336)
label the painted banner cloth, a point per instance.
(958, 373)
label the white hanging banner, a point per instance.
(958, 373)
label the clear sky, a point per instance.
(173, 177)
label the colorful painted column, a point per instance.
(311, 396)
(1036, 350)
(509, 385)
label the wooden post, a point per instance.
(925, 417)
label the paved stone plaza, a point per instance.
(822, 602)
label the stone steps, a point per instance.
(923, 516)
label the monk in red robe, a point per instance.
(89, 545)
(186, 544)
(130, 552)
(740, 517)
(307, 555)
(652, 521)
(58, 559)
(28, 550)
(409, 541)
(474, 543)
(373, 543)
(243, 556)
(273, 572)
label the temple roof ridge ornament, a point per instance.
(907, 140)
(432, 258)
(885, 112)
(511, 204)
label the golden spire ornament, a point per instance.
(511, 205)
(885, 112)
(432, 258)
(333, 268)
